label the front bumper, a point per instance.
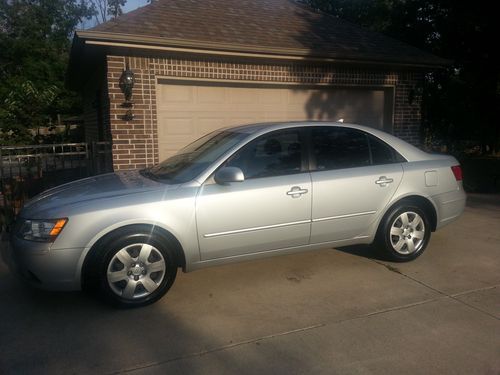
(42, 267)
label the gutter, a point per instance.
(143, 42)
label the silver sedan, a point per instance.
(239, 193)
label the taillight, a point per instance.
(457, 171)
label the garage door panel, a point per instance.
(187, 112)
(176, 94)
(241, 120)
(176, 138)
(176, 142)
(209, 95)
(174, 126)
(275, 116)
(208, 124)
(243, 96)
(272, 97)
(298, 97)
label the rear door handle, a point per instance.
(296, 192)
(383, 181)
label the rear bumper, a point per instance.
(41, 267)
(450, 206)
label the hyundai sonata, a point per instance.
(235, 194)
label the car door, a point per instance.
(269, 210)
(354, 177)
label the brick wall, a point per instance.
(135, 143)
(407, 106)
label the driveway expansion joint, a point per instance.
(313, 327)
(444, 294)
(214, 350)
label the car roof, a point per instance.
(408, 151)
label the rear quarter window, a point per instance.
(382, 153)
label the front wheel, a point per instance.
(404, 233)
(133, 269)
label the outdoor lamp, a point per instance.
(127, 81)
(414, 93)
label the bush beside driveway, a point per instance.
(331, 311)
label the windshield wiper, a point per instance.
(148, 174)
(153, 176)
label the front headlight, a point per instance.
(41, 230)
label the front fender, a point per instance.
(174, 216)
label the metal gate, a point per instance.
(28, 170)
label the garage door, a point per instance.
(188, 110)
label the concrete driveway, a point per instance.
(332, 311)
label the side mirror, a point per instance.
(229, 174)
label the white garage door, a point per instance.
(188, 110)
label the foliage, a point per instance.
(115, 7)
(25, 108)
(462, 101)
(100, 8)
(34, 44)
(105, 9)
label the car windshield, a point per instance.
(193, 159)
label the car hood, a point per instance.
(79, 192)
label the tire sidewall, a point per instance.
(385, 236)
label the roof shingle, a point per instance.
(257, 25)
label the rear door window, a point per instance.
(338, 148)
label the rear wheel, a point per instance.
(404, 233)
(133, 269)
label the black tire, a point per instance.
(136, 274)
(397, 245)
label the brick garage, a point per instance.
(103, 53)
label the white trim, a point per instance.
(255, 228)
(208, 235)
(344, 216)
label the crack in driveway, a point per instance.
(444, 294)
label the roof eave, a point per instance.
(74, 64)
(144, 42)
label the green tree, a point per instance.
(34, 44)
(106, 9)
(25, 108)
(115, 7)
(462, 101)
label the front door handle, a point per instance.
(296, 192)
(383, 181)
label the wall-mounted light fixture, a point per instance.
(127, 82)
(415, 92)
